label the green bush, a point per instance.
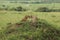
(43, 9)
(20, 9)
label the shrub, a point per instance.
(20, 9)
(43, 9)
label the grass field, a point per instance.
(27, 33)
(31, 6)
(13, 17)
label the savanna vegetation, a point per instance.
(29, 22)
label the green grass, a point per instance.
(13, 17)
(22, 33)
(31, 6)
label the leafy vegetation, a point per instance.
(45, 9)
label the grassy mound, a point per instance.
(40, 30)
